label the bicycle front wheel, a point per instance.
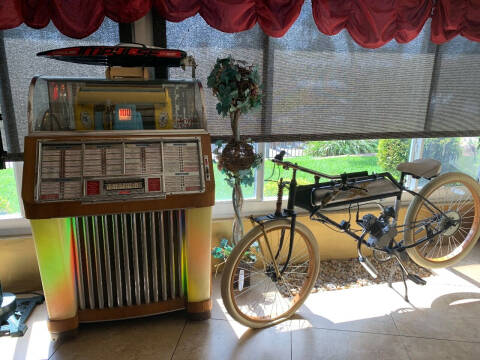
(457, 195)
(252, 291)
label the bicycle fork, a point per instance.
(279, 272)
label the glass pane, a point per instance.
(460, 154)
(70, 104)
(8, 192)
(23, 43)
(329, 157)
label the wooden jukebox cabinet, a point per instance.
(118, 186)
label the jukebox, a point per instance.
(118, 187)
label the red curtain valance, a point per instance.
(371, 23)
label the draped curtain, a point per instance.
(371, 23)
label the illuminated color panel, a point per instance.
(54, 247)
(198, 232)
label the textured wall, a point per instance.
(18, 265)
(19, 269)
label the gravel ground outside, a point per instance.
(345, 274)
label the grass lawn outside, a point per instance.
(8, 193)
(330, 165)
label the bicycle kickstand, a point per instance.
(405, 275)
(390, 278)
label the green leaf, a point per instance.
(219, 108)
(223, 242)
(243, 173)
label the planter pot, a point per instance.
(237, 155)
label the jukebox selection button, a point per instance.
(154, 184)
(93, 187)
(49, 196)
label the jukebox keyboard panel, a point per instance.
(98, 171)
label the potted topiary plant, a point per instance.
(237, 88)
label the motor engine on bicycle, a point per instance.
(382, 229)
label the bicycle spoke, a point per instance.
(263, 296)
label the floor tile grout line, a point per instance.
(398, 332)
(56, 349)
(291, 345)
(406, 350)
(400, 335)
(394, 323)
(179, 338)
(381, 333)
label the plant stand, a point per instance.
(237, 201)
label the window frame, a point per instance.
(16, 224)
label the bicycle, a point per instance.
(272, 270)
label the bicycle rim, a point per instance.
(257, 296)
(457, 196)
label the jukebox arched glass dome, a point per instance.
(59, 104)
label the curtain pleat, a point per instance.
(275, 17)
(35, 13)
(371, 23)
(456, 17)
(126, 11)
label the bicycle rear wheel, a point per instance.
(458, 196)
(251, 291)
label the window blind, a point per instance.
(206, 44)
(21, 46)
(319, 87)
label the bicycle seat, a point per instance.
(426, 168)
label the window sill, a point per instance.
(224, 209)
(14, 225)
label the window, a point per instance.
(21, 46)
(334, 157)
(460, 154)
(223, 191)
(8, 196)
(319, 88)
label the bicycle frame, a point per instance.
(339, 183)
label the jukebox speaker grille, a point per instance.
(128, 259)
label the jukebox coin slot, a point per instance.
(124, 187)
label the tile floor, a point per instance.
(442, 321)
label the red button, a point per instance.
(93, 187)
(154, 184)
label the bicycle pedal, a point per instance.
(416, 279)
